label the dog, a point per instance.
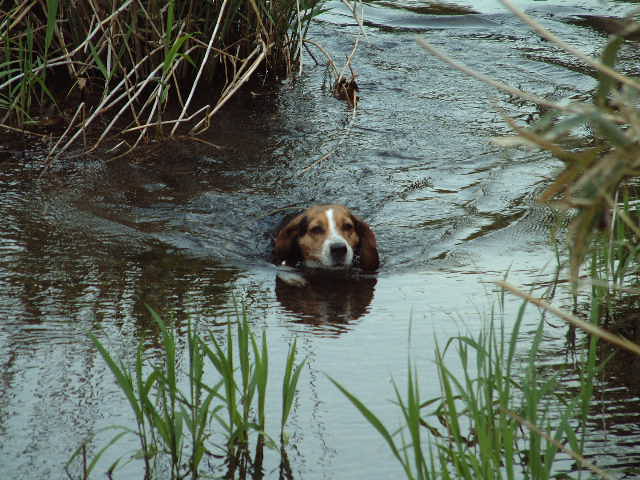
(325, 237)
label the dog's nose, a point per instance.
(338, 252)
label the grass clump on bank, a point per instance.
(138, 68)
(210, 424)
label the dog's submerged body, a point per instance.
(327, 237)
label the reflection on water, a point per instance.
(184, 227)
(329, 303)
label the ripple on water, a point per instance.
(186, 228)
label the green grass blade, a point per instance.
(123, 378)
(290, 383)
(375, 423)
(52, 15)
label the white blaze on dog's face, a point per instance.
(330, 238)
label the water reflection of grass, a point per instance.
(181, 432)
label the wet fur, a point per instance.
(287, 249)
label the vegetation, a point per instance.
(138, 68)
(179, 428)
(593, 175)
(500, 420)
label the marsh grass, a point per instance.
(504, 417)
(594, 185)
(179, 428)
(125, 68)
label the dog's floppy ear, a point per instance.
(368, 248)
(286, 248)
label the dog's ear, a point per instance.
(286, 248)
(368, 248)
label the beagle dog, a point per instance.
(326, 237)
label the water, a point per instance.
(185, 228)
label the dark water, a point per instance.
(185, 228)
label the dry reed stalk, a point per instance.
(488, 80)
(587, 327)
(98, 111)
(358, 18)
(140, 54)
(350, 96)
(546, 34)
(80, 108)
(202, 64)
(328, 56)
(240, 78)
(299, 27)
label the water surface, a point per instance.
(186, 228)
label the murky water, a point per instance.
(185, 228)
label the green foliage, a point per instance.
(289, 384)
(501, 419)
(178, 426)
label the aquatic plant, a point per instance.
(597, 185)
(503, 417)
(137, 68)
(496, 421)
(178, 428)
(593, 175)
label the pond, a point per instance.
(185, 227)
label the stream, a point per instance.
(186, 228)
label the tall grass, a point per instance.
(503, 418)
(138, 68)
(179, 428)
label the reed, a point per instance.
(596, 185)
(134, 64)
(289, 385)
(501, 419)
(177, 428)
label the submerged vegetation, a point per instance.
(133, 69)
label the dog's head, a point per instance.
(327, 236)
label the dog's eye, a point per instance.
(348, 227)
(317, 230)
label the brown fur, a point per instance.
(301, 239)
